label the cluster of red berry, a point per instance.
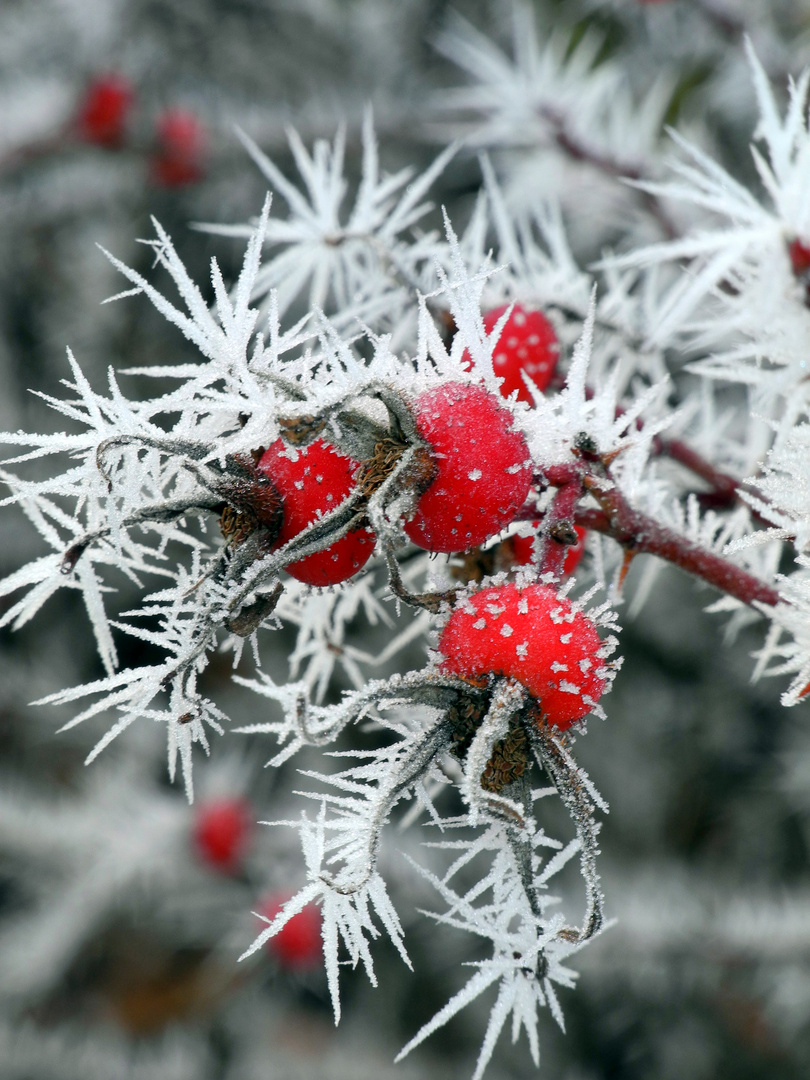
(177, 156)
(476, 479)
(479, 475)
(473, 477)
(479, 470)
(221, 835)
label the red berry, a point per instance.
(482, 468)
(523, 547)
(312, 480)
(298, 944)
(527, 343)
(799, 257)
(181, 148)
(221, 832)
(532, 635)
(103, 113)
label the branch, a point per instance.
(608, 166)
(638, 533)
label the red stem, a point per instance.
(726, 489)
(640, 534)
(559, 515)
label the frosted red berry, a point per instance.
(298, 944)
(311, 481)
(528, 342)
(534, 636)
(482, 468)
(523, 549)
(105, 109)
(222, 831)
(180, 155)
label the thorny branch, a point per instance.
(638, 533)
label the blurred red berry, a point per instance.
(222, 830)
(528, 342)
(799, 257)
(105, 109)
(180, 154)
(298, 945)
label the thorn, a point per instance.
(73, 554)
(629, 555)
(610, 456)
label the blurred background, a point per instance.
(122, 909)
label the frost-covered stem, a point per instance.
(558, 528)
(431, 602)
(640, 534)
(522, 847)
(407, 772)
(572, 787)
(726, 489)
(580, 151)
(507, 700)
(160, 513)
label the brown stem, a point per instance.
(726, 490)
(724, 487)
(427, 601)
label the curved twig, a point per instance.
(573, 788)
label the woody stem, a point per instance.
(638, 533)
